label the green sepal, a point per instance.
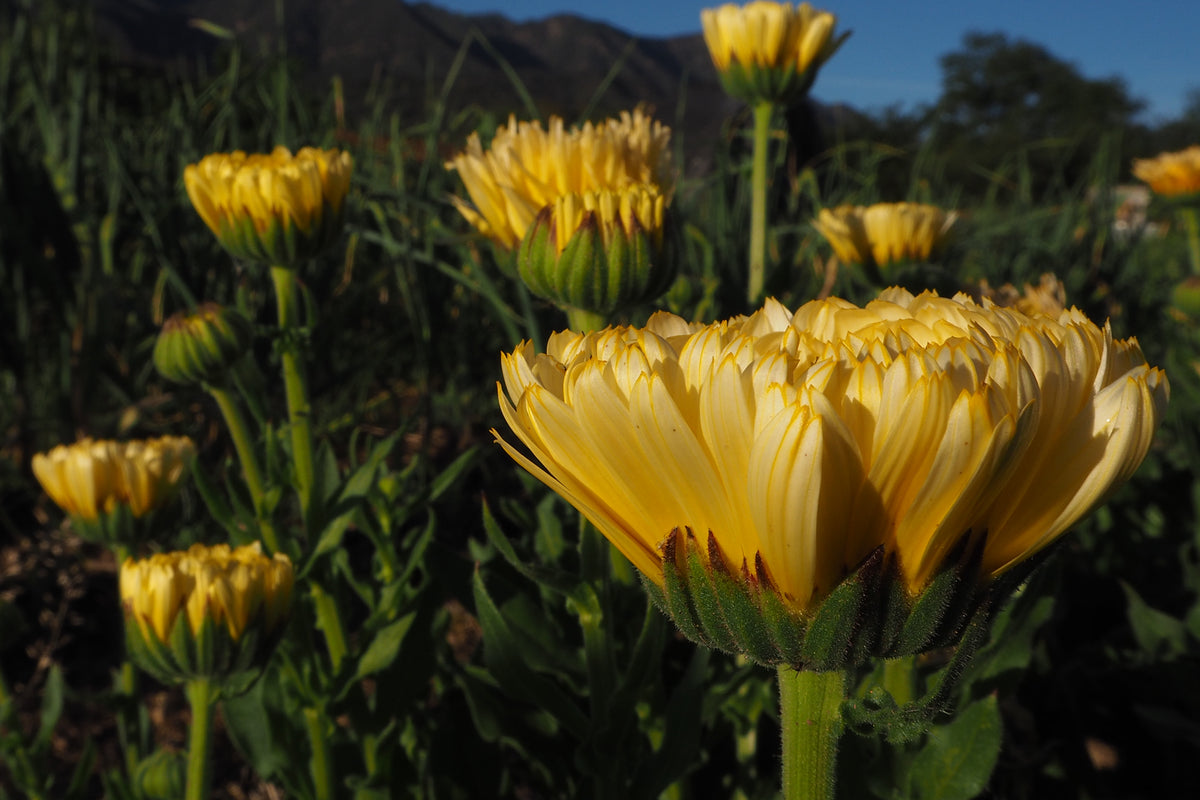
(704, 597)
(677, 598)
(938, 614)
(742, 614)
(838, 619)
(148, 653)
(787, 626)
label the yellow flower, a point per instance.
(804, 443)
(885, 233)
(766, 51)
(94, 477)
(1171, 174)
(275, 208)
(169, 599)
(599, 251)
(527, 168)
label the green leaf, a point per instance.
(385, 646)
(958, 758)
(52, 706)
(1157, 634)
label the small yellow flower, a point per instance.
(169, 599)
(275, 208)
(599, 251)
(95, 477)
(766, 51)
(1171, 174)
(795, 446)
(885, 233)
(527, 168)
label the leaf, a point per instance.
(52, 706)
(959, 757)
(385, 646)
(1157, 634)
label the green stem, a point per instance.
(898, 678)
(295, 385)
(319, 741)
(758, 203)
(251, 471)
(810, 716)
(1192, 224)
(202, 697)
(127, 721)
(585, 321)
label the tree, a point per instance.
(1009, 103)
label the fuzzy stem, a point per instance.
(251, 471)
(319, 765)
(810, 718)
(202, 699)
(758, 203)
(295, 385)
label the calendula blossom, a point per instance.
(795, 446)
(205, 611)
(96, 476)
(1171, 174)
(769, 52)
(885, 233)
(528, 167)
(277, 208)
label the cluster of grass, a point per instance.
(1091, 670)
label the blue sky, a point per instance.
(892, 56)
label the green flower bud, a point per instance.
(162, 775)
(200, 347)
(599, 252)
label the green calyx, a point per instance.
(282, 242)
(590, 274)
(755, 84)
(868, 615)
(200, 347)
(209, 653)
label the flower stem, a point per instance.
(1192, 224)
(251, 470)
(758, 203)
(585, 321)
(202, 698)
(810, 716)
(295, 385)
(319, 765)
(898, 678)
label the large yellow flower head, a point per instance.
(791, 448)
(883, 234)
(528, 167)
(94, 477)
(275, 208)
(599, 251)
(1171, 174)
(205, 611)
(766, 51)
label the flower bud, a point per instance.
(201, 346)
(205, 612)
(886, 234)
(769, 52)
(599, 251)
(102, 484)
(277, 209)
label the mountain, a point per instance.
(408, 50)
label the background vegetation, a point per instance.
(1089, 686)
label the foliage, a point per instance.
(481, 625)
